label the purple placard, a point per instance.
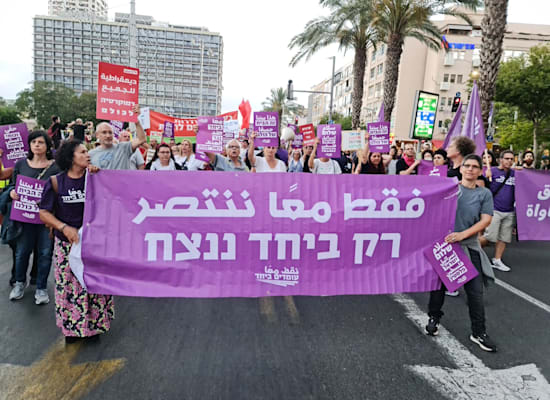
(451, 264)
(210, 135)
(428, 168)
(13, 142)
(242, 235)
(330, 140)
(298, 141)
(30, 192)
(266, 126)
(168, 130)
(379, 137)
(117, 127)
(533, 204)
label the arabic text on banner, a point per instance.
(330, 140)
(30, 192)
(14, 143)
(117, 92)
(379, 137)
(533, 204)
(266, 126)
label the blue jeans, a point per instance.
(39, 235)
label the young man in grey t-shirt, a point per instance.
(115, 156)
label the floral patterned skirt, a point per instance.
(78, 313)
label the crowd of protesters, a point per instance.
(485, 212)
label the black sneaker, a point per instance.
(433, 326)
(484, 341)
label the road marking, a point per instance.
(53, 376)
(267, 308)
(292, 310)
(523, 295)
(472, 379)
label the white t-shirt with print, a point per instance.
(263, 166)
(326, 168)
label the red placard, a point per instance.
(309, 134)
(117, 92)
(229, 116)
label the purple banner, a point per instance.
(210, 135)
(379, 137)
(117, 127)
(244, 235)
(29, 191)
(533, 204)
(13, 143)
(428, 168)
(451, 264)
(298, 141)
(330, 137)
(168, 130)
(266, 126)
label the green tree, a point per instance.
(338, 118)
(8, 115)
(277, 101)
(396, 20)
(525, 83)
(493, 27)
(348, 25)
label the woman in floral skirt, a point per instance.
(79, 314)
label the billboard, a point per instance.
(424, 112)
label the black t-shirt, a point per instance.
(452, 172)
(401, 165)
(78, 132)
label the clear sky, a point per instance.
(256, 34)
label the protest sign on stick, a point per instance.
(266, 126)
(29, 191)
(330, 137)
(379, 137)
(117, 92)
(13, 143)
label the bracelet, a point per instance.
(62, 227)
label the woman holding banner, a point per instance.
(79, 314)
(473, 214)
(38, 165)
(267, 163)
(371, 162)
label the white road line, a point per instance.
(523, 295)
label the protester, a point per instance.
(136, 160)
(54, 131)
(370, 162)
(392, 166)
(233, 161)
(267, 163)
(322, 165)
(407, 165)
(79, 129)
(151, 150)
(459, 148)
(492, 161)
(528, 160)
(295, 163)
(305, 158)
(38, 165)
(163, 160)
(346, 162)
(440, 157)
(427, 155)
(473, 215)
(244, 148)
(79, 314)
(115, 156)
(189, 161)
(502, 185)
(399, 152)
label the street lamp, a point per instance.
(210, 54)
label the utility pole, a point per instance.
(332, 89)
(132, 30)
(201, 77)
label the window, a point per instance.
(380, 69)
(446, 78)
(373, 55)
(450, 101)
(443, 101)
(378, 90)
(372, 70)
(459, 79)
(453, 78)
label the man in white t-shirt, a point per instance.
(267, 163)
(322, 165)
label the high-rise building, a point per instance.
(445, 73)
(78, 8)
(180, 66)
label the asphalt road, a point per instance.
(345, 347)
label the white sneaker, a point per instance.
(498, 264)
(41, 297)
(452, 294)
(18, 291)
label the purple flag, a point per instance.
(30, 192)
(117, 127)
(168, 130)
(210, 135)
(330, 137)
(232, 234)
(266, 126)
(381, 114)
(451, 264)
(455, 129)
(13, 142)
(379, 137)
(428, 168)
(533, 204)
(473, 123)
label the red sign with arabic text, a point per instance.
(117, 92)
(309, 134)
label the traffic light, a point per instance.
(456, 103)
(290, 91)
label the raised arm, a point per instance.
(311, 161)
(140, 133)
(251, 155)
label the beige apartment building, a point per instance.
(444, 72)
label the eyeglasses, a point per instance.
(471, 166)
(233, 147)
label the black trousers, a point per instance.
(34, 270)
(474, 291)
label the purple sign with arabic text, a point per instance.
(330, 140)
(379, 137)
(13, 143)
(236, 234)
(117, 127)
(428, 168)
(210, 135)
(266, 126)
(29, 191)
(298, 141)
(168, 130)
(533, 204)
(451, 264)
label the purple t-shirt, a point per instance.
(505, 198)
(68, 204)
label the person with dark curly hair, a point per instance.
(459, 148)
(528, 160)
(79, 314)
(39, 164)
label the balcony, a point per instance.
(445, 86)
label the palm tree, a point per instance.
(493, 27)
(348, 25)
(278, 102)
(395, 20)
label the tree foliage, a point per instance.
(338, 118)
(8, 115)
(278, 102)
